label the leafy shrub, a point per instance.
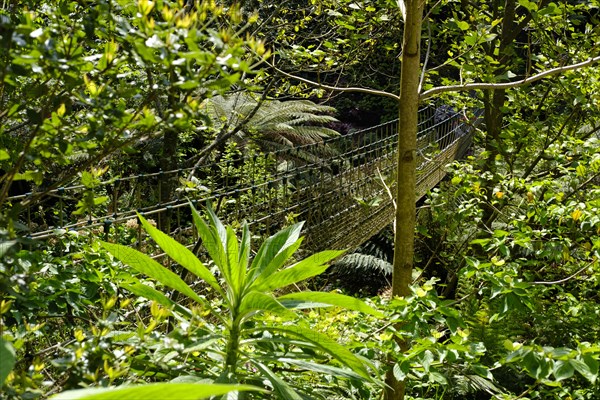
(225, 340)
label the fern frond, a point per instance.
(276, 124)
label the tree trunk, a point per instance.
(406, 167)
(168, 182)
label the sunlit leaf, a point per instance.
(180, 391)
(297, 299)
(146, 265)
(180, 254)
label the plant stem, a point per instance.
(232, 349)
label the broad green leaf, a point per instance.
(401, 370)
(146, 265)
(529, 5)
(150, 293)
(6, 245)
(217, 224)
(283, 390)
(274, 245)
(36, 176)
(307, 268)
(4, 155)
(462, 25)
(212, 242)
(295, 300)
(471, 39)
(181, 254)
(256, 301)
(585, 369)
(235, 270)
(179, 391)
(7, 360)
(328, 346)
(276, 263)
(563, 370)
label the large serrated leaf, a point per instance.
(179, 391)
(181, 254)
(296, 300)
(146, 265)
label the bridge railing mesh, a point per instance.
(323, 183)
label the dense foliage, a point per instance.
(505, 299)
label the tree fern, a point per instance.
(276, 125)
(369, 269)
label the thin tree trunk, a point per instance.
(168, 181)
(406, 168)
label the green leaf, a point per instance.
(256, 301)
(328, 346)
(321, 368)
(283, 390)
(462, 25)
(563, 370)
(529, 5)
(181, 254)
(4, 155)
(7, 359)
(36, 176)
(276, 263)
(212, 240)
(586, 369)
(147, 292)
(180, 391)
(296, 300)
(401, 370)
(244, 254)
(266, 260)
(307, 268)
(471, 39)
(146, 265)
(6, 245)
(236, 271)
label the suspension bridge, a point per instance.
(338, 187)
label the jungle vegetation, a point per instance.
(486, 289)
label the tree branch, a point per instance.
(337, 89)
(567, 278)
(507, 85)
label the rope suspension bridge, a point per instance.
(337, 187)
